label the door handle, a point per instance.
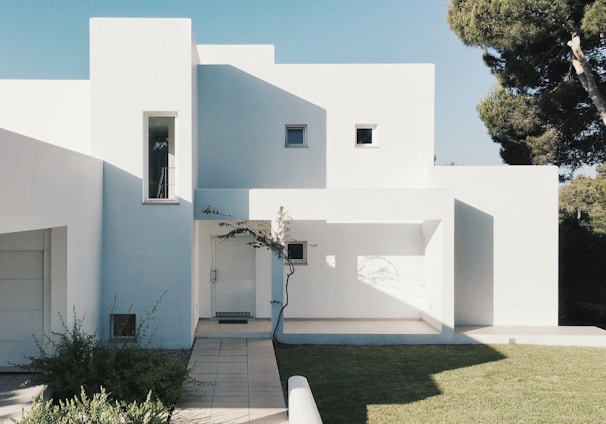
(213, 275)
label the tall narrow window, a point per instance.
(161, 176)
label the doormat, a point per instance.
(233, 321)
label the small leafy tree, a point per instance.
(265, 236)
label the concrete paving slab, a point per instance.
(244, 384)
(14, 398)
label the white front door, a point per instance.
(233, 277)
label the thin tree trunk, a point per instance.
(585, 74)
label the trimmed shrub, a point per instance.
(73, 361)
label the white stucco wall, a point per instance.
(506, 248)
(243, 110)
(138, 66)
(358, 271)
(57, 112)
(51, 187)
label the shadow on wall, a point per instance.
(147, 251)
(474, 266)
(242, 129)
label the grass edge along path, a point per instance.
(451, 383)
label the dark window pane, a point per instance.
(364, 136)
(295, 251)
(160, 145)
(295, 136)
(124, 325)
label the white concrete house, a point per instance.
(105, 181)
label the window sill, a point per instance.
(161, 202)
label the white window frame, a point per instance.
(302, 261)
(374, 135)
(146, 197)
(302, 127)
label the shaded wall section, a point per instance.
(51, 187)
(474, 266)
(242, 123)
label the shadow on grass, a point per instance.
(345, 379)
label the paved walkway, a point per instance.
(242, 384)
(13, 398)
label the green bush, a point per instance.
(99, 410)
(73, 361)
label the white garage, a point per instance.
(24, 291)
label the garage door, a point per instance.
(21, 295)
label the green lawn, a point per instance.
(452, 383)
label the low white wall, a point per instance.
(50, 187)
(302, 407)
(506, 243)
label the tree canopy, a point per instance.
(549, 58)
(584, 201)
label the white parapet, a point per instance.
(302, 407)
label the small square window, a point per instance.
(366, 135)
(123, 325)
(297, 252)
(295, 136)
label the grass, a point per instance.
(451, 383)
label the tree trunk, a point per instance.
(585, 74)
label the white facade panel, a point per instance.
(139, 68)
(243, 110)
(56, 112)
(358, 271)
(506, 248)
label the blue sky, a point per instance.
(43, 39)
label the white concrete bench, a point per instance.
(302, 407)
